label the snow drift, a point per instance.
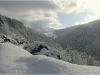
(15, 60)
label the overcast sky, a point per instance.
(52, 13)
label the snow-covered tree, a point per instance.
(40, 48)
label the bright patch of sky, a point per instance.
(70, 19)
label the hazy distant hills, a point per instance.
(83, 38)
(38, 26)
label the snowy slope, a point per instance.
(15, 60)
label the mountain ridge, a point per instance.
(10, 26)
(83, 38)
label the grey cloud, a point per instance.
(21, 10)
(72, 4)
(16, 6)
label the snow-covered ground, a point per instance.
(16, 60)
(40, 48)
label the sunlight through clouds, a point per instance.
(93, 7)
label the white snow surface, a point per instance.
(16, 60)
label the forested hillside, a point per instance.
(83, 38)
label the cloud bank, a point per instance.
(45, 13)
